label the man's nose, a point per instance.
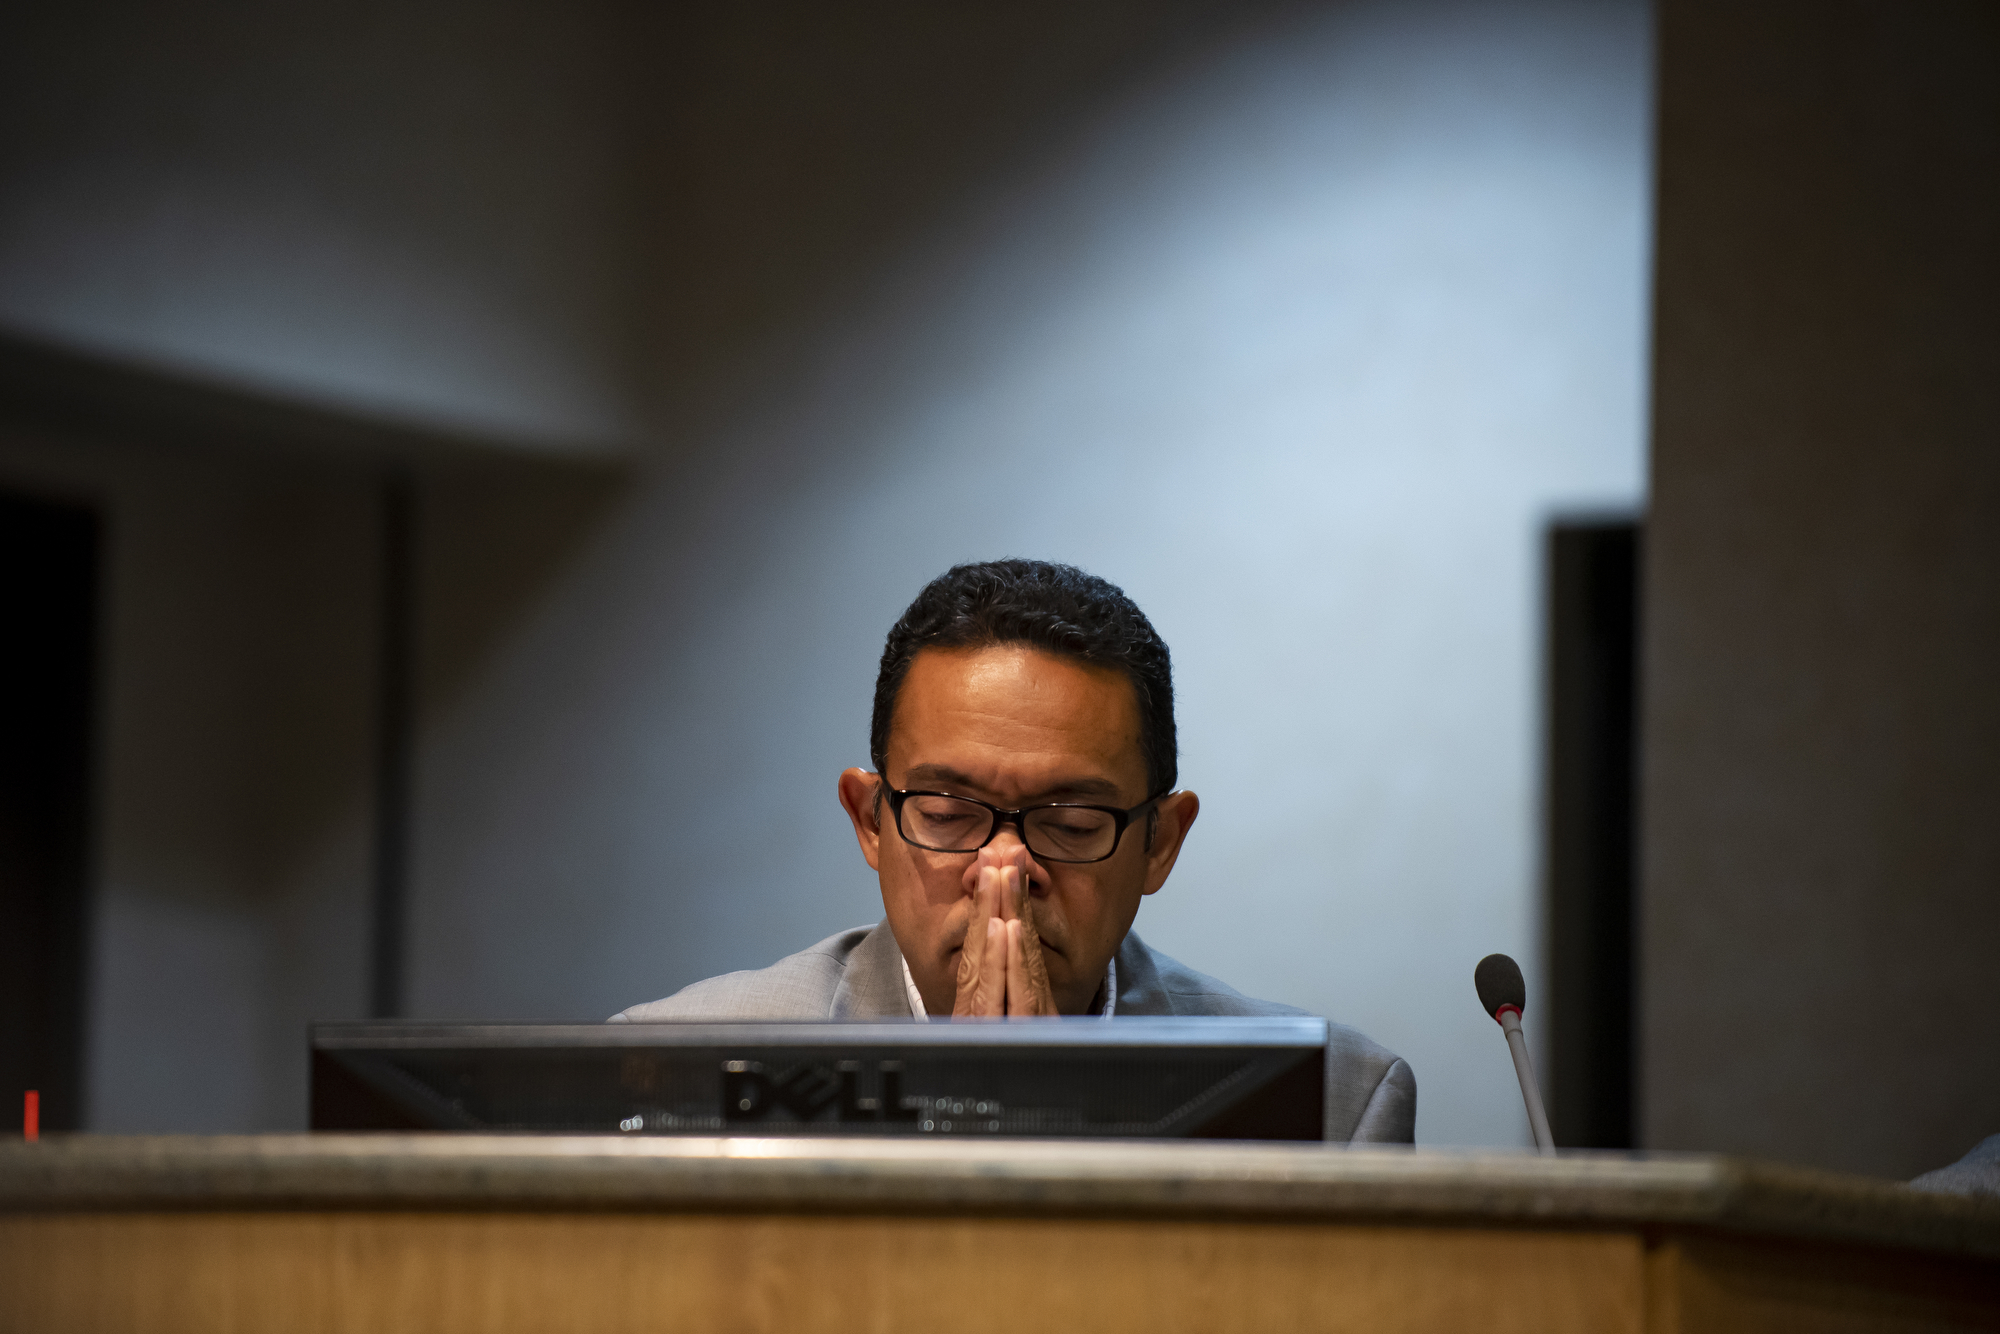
(1006, 844)
(1005, 848)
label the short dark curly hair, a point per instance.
(1056, 608)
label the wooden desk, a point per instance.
(388, 1233)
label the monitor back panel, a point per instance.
(1134, 1077)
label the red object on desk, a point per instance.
(31, 1114)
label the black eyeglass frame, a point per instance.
(1018, 818)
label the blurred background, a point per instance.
(458, 463)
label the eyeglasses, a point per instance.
(1057, 831)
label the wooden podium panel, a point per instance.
(443, 1234)
(1696, 1282)
(432, 1273)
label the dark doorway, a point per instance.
(48, 652)
(1591, 845)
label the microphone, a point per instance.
(1504, 994)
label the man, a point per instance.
(1022, 804)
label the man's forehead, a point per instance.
(1003, 714)
(1018, 685)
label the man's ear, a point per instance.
(1177, 811)
(858, 792)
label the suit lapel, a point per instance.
(1139, 989)
(871, 986)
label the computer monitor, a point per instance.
(1210, 1078)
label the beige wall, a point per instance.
(1821, 916)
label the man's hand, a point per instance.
(1000, 967)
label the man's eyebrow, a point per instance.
(937, 773)
(945, 776)
(1084, 787)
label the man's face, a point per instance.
(1014, 726)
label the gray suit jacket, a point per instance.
(1371, 1095)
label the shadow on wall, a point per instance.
(495, 539)
(417, 211)
(802, 154)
